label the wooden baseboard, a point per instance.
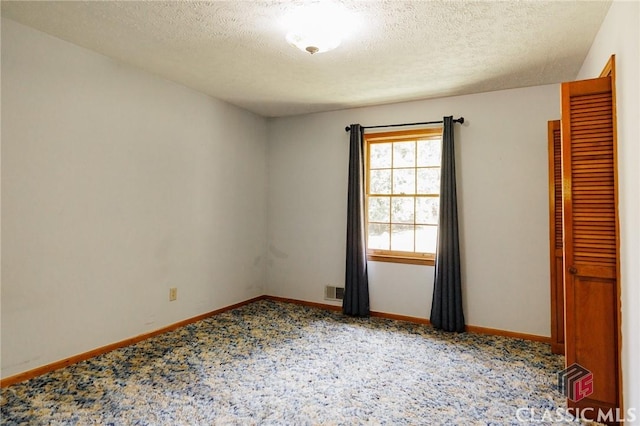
(557, 348)
(328, 307)
(396, 317)
(417, 320)
(513, 334)
(21, 377)
(324, 306)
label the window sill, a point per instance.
(429, 261)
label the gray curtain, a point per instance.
(446, 307)
(356, 287)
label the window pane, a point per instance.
(428, 181)
(380, 155)
(402, 237)
(402, 210)
(404, 154)
(404, 181)
(379, 209)
(378, 237)
(403, 178)
(427, 209)
(426, 238)
(380, 182)
(429, 152)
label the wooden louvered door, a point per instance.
(555, 238)
(590, 231)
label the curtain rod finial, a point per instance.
(460, 120)
(347, 128)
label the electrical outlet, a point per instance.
(173, 294)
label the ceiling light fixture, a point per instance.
(318, 27)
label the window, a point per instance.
(403, 195)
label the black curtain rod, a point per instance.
(457, 120)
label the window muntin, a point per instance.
(403, 195)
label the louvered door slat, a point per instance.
(590, 236)
(555, 237)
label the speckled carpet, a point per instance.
(283, 364)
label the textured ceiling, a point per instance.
(403, 50)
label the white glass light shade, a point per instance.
(311, 42)
(317, 27)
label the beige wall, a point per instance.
(620, 35)
(116, 186)
(503, 206)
